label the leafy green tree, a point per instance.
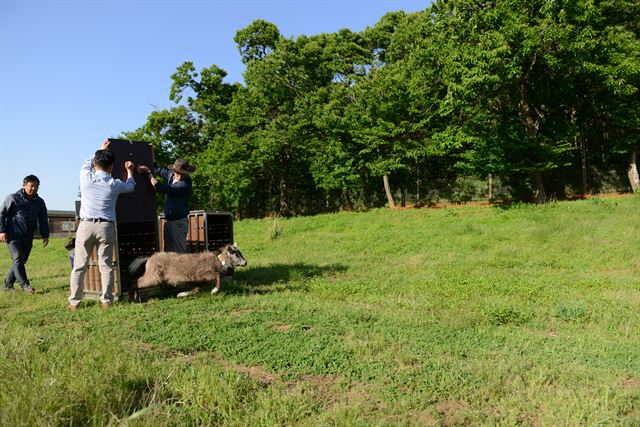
(612, 69)
(336, 165)
(280, 73)
(513, 88)
(424, 121)
(510, 72)
(207, 100)
(172, 132)
(257, 40)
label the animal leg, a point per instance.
(189, 293)
(216, 289)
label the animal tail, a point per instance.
(137, 266)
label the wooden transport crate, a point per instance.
(207, 230)
(136, 222)
(132, 240)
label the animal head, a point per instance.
(231, 257)
(137, 266)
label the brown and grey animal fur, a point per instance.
(183, 271)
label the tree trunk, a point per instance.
(366, 190)
(347, 199)
(387, 190)
(531, 123)
(418, 182)
(583, 155)
(284, 198)
(540, 194)
(634, 178)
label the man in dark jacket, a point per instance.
(21, 213)
(177, 191)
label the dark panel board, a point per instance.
(139, 206)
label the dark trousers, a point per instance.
(19, 251)
(175, 235)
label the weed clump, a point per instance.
(275, 230)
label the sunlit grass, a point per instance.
(472, 315)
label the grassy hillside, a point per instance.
(474, 315)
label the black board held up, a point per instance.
(139, 206)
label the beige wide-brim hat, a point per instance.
(182, 166)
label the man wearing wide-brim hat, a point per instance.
(177, 191)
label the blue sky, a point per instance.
(74, 72)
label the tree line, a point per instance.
(413, 108)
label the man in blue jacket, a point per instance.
(177, 191)
(21, 213)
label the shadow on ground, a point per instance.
(258, 280)
(280, 277)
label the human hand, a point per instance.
(143, 169)
(45, 242)
(129, 165)
(153, 179)
(105, 144)
(3, 237)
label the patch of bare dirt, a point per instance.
(425, 418)
(363, 305)
(453, 411)
(331, 391)
(321, 383)
(281, 327)
(529, 420)
(240, 313)
(256, 373)
(323, 388)
(168, 353)
(631, 384)
(628, 296)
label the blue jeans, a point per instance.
(19, 251)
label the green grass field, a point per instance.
(527, 315)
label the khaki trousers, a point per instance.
(102, 236)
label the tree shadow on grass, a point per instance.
(279, 277)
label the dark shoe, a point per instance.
(72, 307)
(105, 305)
(28, 289)
(7, 287)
